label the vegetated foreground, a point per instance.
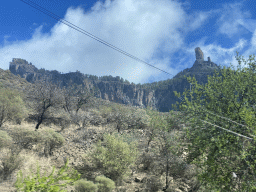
(146, 172)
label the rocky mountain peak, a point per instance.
(200, 62)
(21, 67)
(199, 66)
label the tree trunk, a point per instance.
(167, 172)
(40, 120)
(118, 128)
(150, 139)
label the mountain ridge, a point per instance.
(158, 95)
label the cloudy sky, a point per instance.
(163, 33)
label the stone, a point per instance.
(138, 179)
(199, 54)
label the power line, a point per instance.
(101, 41)
(227, 130)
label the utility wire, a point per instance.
(100, 40)
(109, 45)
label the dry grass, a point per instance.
(79, 141)
(70, 149)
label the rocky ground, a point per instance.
(78, 141)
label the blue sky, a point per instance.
(163, 33)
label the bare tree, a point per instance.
(42, 96)
(75, 96)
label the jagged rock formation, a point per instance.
(199, 66)
(200, 62)
(199, 54)
(116, 90)
(22, 67)
(200, 69)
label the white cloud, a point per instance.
(231, 18)
(139, 27)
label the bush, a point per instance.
(5, 139)
(12, 107)
(47, 138)
(105, 184)
(139, 119)
(49, 183)
(26, 138)
(10, 162)
(147, 160)
(93, 117)
(113, 159)
(177, 167)
(76, 118)
(63, 121)
(105, 111)
(152, 183)
(85, 186)
(96, 118)
(121, 116)
(52, 140)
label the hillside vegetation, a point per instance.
(64, 139)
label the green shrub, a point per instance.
(26, 138)
(113, 159)
(46, 184)
(52, 140)
(85, 186)
(105, 184)
(47, 138)
(105, 111)
(177, 167)
(12, 107)
(147, 160)
(152, 183)
(121, 116)
(139, 119)
(5, 139)
(10, 162)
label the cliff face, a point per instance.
(116, 90)
(126, 94)
(112, 90)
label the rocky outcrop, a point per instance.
(200, 69)
(22, 67)
(117, 90)
(200, 62)
(199, 54)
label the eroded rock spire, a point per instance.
(199, 54)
